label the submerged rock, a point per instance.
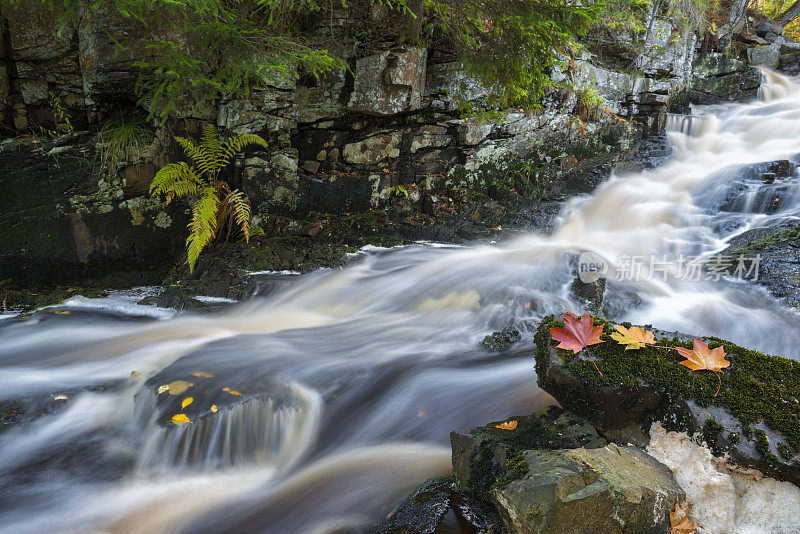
(501, 340)
(754, 419)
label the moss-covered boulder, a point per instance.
(610, 489)
(754, 419)
(488, 456)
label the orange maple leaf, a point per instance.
(679, 519)
(700, 358)
(508, 425)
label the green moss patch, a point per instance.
(755, 388)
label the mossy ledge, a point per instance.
(755, 418)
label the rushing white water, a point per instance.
(356, 376)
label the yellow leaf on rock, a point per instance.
(226, 389)
(162, 389)
(180, 419)
(213, 408)
(679, 519)
(634, 337)
(178, 387)
(508, 425)
(234, 392)
(201, 374)
(186, 402)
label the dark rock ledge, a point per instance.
(583, 468)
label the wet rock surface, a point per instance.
(610, 489)
(438, 507)
(646, 385)
(719, 79)
(778, 250)
(484, 455)
(501, 340)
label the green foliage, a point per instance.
(695, 15)
(511, 45)
(122, 140)
(590, 103)
(215, 206)
(61, 118)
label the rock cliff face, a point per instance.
(403, 118)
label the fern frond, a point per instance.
(240, 211)
(184, 188)
(209, 142)
(239, 142)
(168, 176)
(201, 157)
(203, 226)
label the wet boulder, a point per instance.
(719, 79)
(610, 489)
(501, 340)
(438, 507)
(484, 456)
(764, 56)
(753, 419)
(777, 249)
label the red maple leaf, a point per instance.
(577, 334)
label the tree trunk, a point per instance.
(790, 14)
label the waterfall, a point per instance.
(352, 379)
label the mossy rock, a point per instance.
(487, 456)
(754, 419)
(610, 489)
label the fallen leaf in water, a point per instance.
(578, 333)
(234, 392)
(180, 419)
(634, 337)
(213, 408)
(679, 519)
(61, 312)
(175, 388)
(701, 358)
(135, 375)
(508, 425)
(201, 374)
(186, 402)
(226, 388)
(60, 397)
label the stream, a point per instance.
(352, 379)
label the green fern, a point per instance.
(215, 207)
